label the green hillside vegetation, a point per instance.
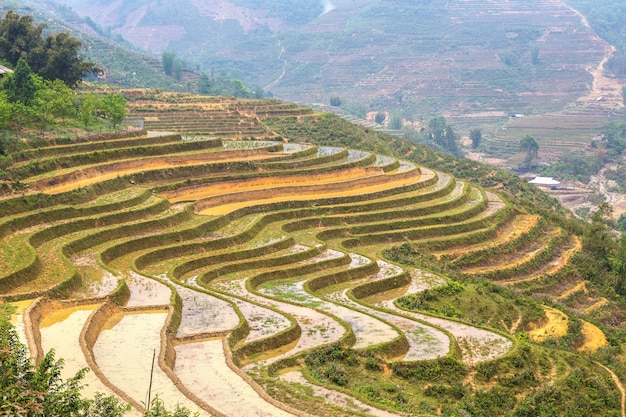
(286, 258)
(407, 279)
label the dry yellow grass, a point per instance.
(598, 304)
(146, 164)
(227, 208)
(57, 316)
(553, 328)
(594, 338)
(270, 183)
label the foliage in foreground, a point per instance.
(38, 390)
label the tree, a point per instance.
(618, 264)
(203, 85)
(395, 122)
(60, 97)
(530, 146)
(476, 135)
(158, 409)
(238, 89)
(55, 57)
(178, 69)
(21, 86)
(259, 92)
(19, 37)
(450, 141)
(87, 106)
(534, 54)
(114, 108)
(168, 58)
(335, 101)
(437, 125)
(39, 390)
(380, 117)
(60, 60)
(6, 110)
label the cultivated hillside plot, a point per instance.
(248, 267)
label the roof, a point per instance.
(4, 70)
(544, 181)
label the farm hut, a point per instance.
(547, 182)
(4, 70)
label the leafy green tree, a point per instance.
(621, 223)
(168, 58)
(55, 57)
(443, 135)
(114, 108)
(158, 409)
(530, 146)
(178, 69)
(60, 97)
(60, 59)
(203, 85)
(380, 117)
(396, 121)
(238, 89)
(6, 110)
(19, 37)
(476, 135)
(259, 92)
(39, 390)
(86, 108)
(20, 87)
(450, 141)
(618, 264)
(436, 126)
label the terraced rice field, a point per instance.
(231, 260)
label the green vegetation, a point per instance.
(607, 150)
(480, 303)
(54, 57)
(530, 147)
(426, 221)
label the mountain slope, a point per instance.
(424, 57)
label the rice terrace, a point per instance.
(277, 264)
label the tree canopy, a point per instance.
(531, 147)
(56, 56)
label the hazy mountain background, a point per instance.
(423, 57)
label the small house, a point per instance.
(4, 70)
(547, 182)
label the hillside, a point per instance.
(283, 261)
(485, 59)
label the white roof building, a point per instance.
(545, 181)
(4, 70)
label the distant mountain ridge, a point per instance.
(426, 56)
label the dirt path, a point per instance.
(608, 88)
(620, 387)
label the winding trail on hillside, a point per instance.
(619, 386)
(601, 86)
